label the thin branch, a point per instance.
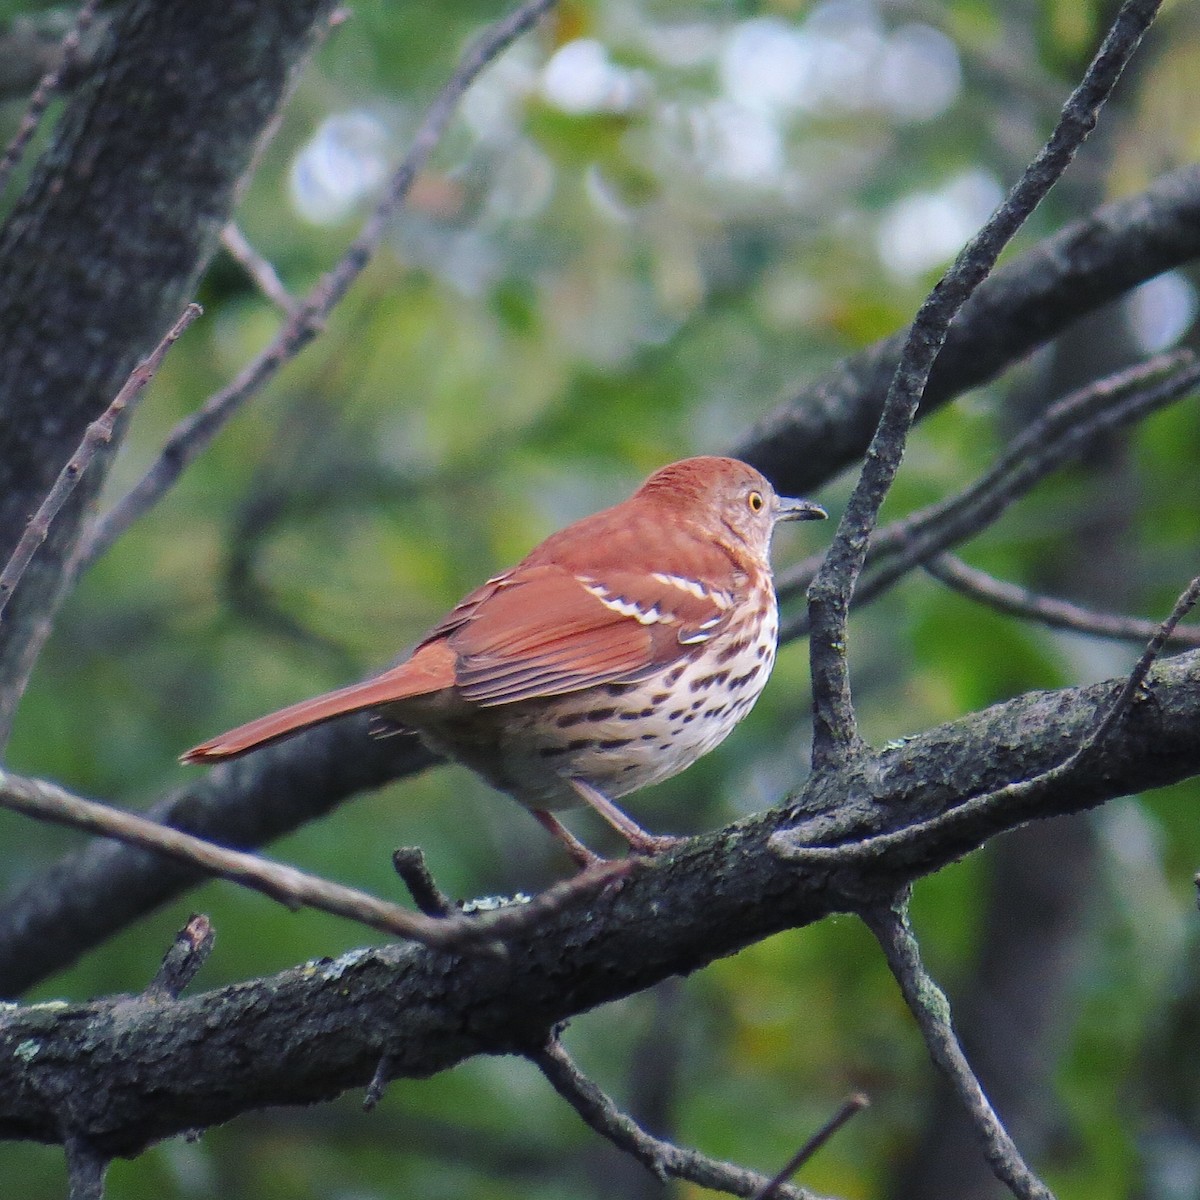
(262, 273)
(1017, 601)
(929, 1006)
(1137, 677)
(47, 88)
(663, 1159)
(191, 436)
(1025, 303)
(1054, 438)
(849, 1108)
(1121, 400)
(97, 434)
(292, 887)
(792, 844)
(835, 731)
(1060, 435)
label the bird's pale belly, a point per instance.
(619, 737)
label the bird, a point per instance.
(616, 653)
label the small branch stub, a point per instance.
(412, 868)
(187, 954)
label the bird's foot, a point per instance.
(649, 844)
(581, 856)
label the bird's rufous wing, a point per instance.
(546, 631)
(539, 630)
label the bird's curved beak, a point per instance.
(799, 510)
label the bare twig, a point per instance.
(98, 433)
(663, 1159)
(190, 437)
(835, 730)
(45, 91)
(1137, 677)
(790, 844)
(187, 954)
(1059, 435)
(846, 1110)
(291, 887)
(1058, 614)
(931, 1009)
(260, 270)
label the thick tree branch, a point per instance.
(87, 896)
(128, 1072)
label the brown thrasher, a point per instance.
(613, 656)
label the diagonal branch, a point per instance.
(1017, 601)
(316, 1030)
(1061, 434)
(928, 1004)
(291, 887)
(98, 433)
(1025, 303)
(192, 435)
(665, 1160)
(261, 271)
(48, 87)
(835, 731)
(849, 1108)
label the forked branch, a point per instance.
(836, 741)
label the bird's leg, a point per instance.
(580, 854)
(640, 842)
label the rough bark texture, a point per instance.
(105, 245)
(70, 908)
(120, 1073)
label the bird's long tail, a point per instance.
(431, 669)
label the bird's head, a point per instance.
(728, 499)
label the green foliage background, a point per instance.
(569, 301)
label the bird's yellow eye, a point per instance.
(755, 500)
